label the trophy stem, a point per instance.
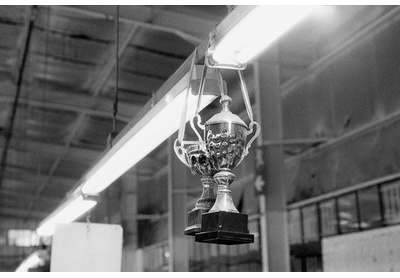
(224, 200)
(223, 224)
(207, 198)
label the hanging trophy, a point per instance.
(195, 156)
(216, 155)
(226, 138)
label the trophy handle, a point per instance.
(257, 132)
(250, 113)
(180, 153)
(199, 124)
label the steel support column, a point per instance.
(131, 256)
(274, 235)
(177, 208)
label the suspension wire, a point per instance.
(221, 83)
(245, 95)
(201, 89)
(33, 14)
(115, 112)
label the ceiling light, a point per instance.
(254, 28)
(159, 124)
(66, 213)
(156, 123)
(28, 263)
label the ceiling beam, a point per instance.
(72, 100)
(22, 213)
(9, 193)
(139, 15)
(65, 107)
(370, 26)
(101, 73)
(32, 150)
(28, 175)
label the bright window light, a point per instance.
(67, 213)
(256, 31)
(140, 142)
(23, 238)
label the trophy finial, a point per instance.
(225, 102)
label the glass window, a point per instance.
(391, 202)
(295, 226)
(23, 238)
(310, 223)
(370, 215)
(328, 218)
(3, 237)
(348, 213)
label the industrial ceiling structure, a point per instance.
(57, 95)
(58, 79)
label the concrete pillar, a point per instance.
(177, 209)
(274, 233)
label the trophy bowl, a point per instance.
(199, 161)
(226, 136)
(226, 144)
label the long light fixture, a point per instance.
(161, 122)
(32, 261)
(156, 123)
(258, 27)
(66, 213)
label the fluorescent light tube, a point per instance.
(139, 142)
(28, 263)
(258, 29)
(136, 141)
(67, 213)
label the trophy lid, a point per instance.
(226, 115)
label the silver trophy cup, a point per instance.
(226, 136)
(225, 139)
(199, 162)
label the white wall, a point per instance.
(374, 250)
(86, 247)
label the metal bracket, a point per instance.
(211, 63)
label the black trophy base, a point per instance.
(194, 221)
(223, 227)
